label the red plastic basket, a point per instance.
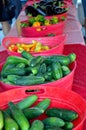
(60, 98)
(44, 30)
(56, 44)
(58, 15)
(65, 82)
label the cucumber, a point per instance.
(72, 57)
(25, 80)
(20, 65)
(68, 126)
(36, 60)
(5, 80)
(29, 80)
(12, 78)
(48, 76)
(53, 122)
(14, 71)
(5, 67)
(35, 69)
(37, 125)
(33, 112)
(49, 68)
(44, 104)
(9, 123)
(66, 115)
(26, 55)
(42, 68)
(16, 60)
(56, 70)
(65, 70)
(1, 120)
(25, 103)
(19, 117)
(63, 60)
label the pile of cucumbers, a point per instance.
(22, 116)
(32, 70)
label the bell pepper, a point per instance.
(36, 24)
(54, 20)
(40, 18)
(31, 21)
(46, 22)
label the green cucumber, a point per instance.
(68, 126)
(56, 70)
(36, 60)
(33, 112)
(63, 60)
(35, 69)
(49, 68)
(12, 78)
(5, 80)
(16, 60)
(29, 80)
(44, 104)
(9, 123)
(20, 65)
(14, 71)
(19, 117)
(72, 57)
(66, 115)
(48, 76)
(53, 122)
(42, 68)
(1, 120)
(37, 125)
(25, 103)
(5, 67)
(26, 55)
(65, 70)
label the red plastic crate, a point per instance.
(60, 98)
(65, 82)
(56, 43)
(56, 29)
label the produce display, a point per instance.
(32, 70)
(40, 20)
(33, 112)
(46, 8)
(35, 46)
(22, 116)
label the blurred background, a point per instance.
(80, 17)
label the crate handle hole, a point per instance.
(35, 91)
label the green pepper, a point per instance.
(54, 20)
(40, 18)
(31, 21)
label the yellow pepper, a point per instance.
(36, 24)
